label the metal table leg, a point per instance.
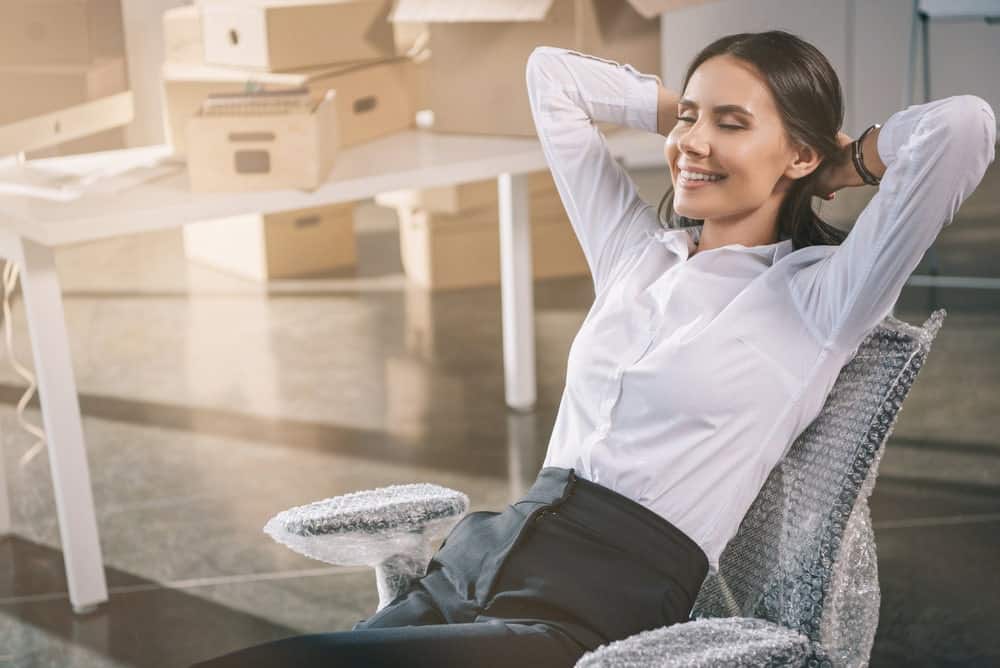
(516, 291)
(61, 419)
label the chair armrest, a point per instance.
(723, 641)
(366, 528)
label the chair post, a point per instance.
(395, 574)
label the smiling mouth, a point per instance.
(683, 181)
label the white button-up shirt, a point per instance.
(692, 376)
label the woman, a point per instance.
(711, 344)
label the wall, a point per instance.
(866, 42)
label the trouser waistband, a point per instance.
(630, 525)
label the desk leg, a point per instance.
(4, 498)
(516, 291)
(61, 419)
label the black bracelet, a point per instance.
(859, 163)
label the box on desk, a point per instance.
(260, 149)
(182, 40)
(33, 32)
(373, 99)
(475, 78)
(274, 35)
(459, 250)
(289, 244)
(41, 89)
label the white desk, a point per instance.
(30, 228)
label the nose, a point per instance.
(692, 141)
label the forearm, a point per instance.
(666, 111)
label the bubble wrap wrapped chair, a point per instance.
(797, 585)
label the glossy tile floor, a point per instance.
(212, 402)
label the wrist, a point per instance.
(865, 160)
(849, 175)
(666, 110)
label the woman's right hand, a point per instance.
(837, 172)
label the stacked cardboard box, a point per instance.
(58, 54)
(449, 237)
(475, 76)
(227, 47)
(288, 244)
(371, 99)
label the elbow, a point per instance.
(973, 127)
(535, 66)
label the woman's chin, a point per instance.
(694, 213)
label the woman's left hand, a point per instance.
(835, 173)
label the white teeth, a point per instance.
(697, 176)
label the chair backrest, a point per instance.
(804, 555)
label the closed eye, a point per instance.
(721, 125)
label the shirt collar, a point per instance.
(685, 240)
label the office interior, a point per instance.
(271, 349)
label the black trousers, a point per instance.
(568, 568)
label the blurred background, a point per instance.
(233, 367)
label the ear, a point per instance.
(805, 159)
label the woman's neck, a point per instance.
(757, 228)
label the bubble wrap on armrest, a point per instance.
(707, 643)
(365, 528)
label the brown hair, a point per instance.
(810, 102)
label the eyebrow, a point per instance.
(722, 108)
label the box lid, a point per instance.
(449, 11)
(214, 73)
(267, 4)
(652, 8)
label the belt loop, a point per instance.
(569, 487)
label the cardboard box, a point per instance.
(274, 35)
(52, 32)
(182, 40)
(289, 244)
(262, 151)
(107, 140)
(480, 49)
(447, 251)
(373, 99)
(40, 89)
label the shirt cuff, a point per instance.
(640, 94)
(641, 100)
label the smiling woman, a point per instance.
(760, 113)
(690, 377)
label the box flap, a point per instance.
(652, 8)
(450, 11)
(215, 73)
(266, 4)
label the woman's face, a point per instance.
(749, 147)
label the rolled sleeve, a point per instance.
(569, 91)
(936, 154)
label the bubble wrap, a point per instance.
(804, 556)
(391, 529)
(735, 642)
